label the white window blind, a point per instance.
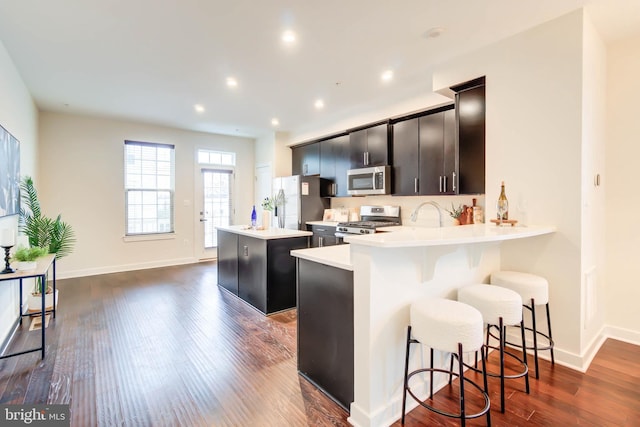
(149, 187)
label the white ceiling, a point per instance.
(152, 61)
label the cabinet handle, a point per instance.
(245, 250)
(444, 179)
(320, 229)
(305, 169)
(453, 179)
(440, 183)
(366, 158)
(334, 189)
(415, 185)
(320, 241)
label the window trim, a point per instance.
(155, 235)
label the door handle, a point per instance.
(203, 220)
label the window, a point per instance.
(149, 187)
(221, 158)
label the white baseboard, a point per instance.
(621, 334)
(125, 267)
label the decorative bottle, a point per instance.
(254, 216)
(503, 204)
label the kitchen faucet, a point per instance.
(414, 215)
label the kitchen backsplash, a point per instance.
(427, 217)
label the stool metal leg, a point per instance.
(524, 355)
(535, 336)
(406, 373)
(502, 344)
(553, 360)
(486, 388)
(461, 380)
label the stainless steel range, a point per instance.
(371, 217)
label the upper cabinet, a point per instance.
(433, 152)
(424, 154)
(334, 163)
(369, 146)
(470, 118)
(306, 159)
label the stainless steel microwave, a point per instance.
(366, 181)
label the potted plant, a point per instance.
(25, 257)
(268, 205)
(455, 213)
(42, 232)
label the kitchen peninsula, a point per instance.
(392, 269)
(256, 265)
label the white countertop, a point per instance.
(338, 256)
(407, 236)
(324, 223)
(269, 233)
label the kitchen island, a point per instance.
(390, 271)
(256, 265)
(325, 320)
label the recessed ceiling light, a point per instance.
(288, 37)
(319, 104)
(199, 108)
(275, 122)
(434, 32)
(232, 82)
(387, 76)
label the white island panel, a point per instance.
(392, 270)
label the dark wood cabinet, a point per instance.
(306, 159)
(323, 235)
(325, 329)
(260, 271)
(424, 154)
(369, 147)
(470, 117)
(334, 163)
(228, 261)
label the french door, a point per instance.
(215, 207)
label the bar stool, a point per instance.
(448, 326)
(534, 290)
(500, 307)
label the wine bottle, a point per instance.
(503, 205)
(254, 216)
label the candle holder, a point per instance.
(7, 266)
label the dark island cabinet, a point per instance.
(369, 147)
(470, 112)
(228, 261)
(424, 154)
(306, 159)
(260, 271)
(325, 329)
(334, 163)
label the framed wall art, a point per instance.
(9, 174)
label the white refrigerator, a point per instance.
(304, 200)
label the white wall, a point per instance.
(534, 143)
(594, 87)
(19, 116)
(623, 152)
(82, 177)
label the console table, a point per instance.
(44, 264)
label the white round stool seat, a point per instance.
(493, 302)
(442, 324)
(529, 286)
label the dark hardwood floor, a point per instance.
(167, 347)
